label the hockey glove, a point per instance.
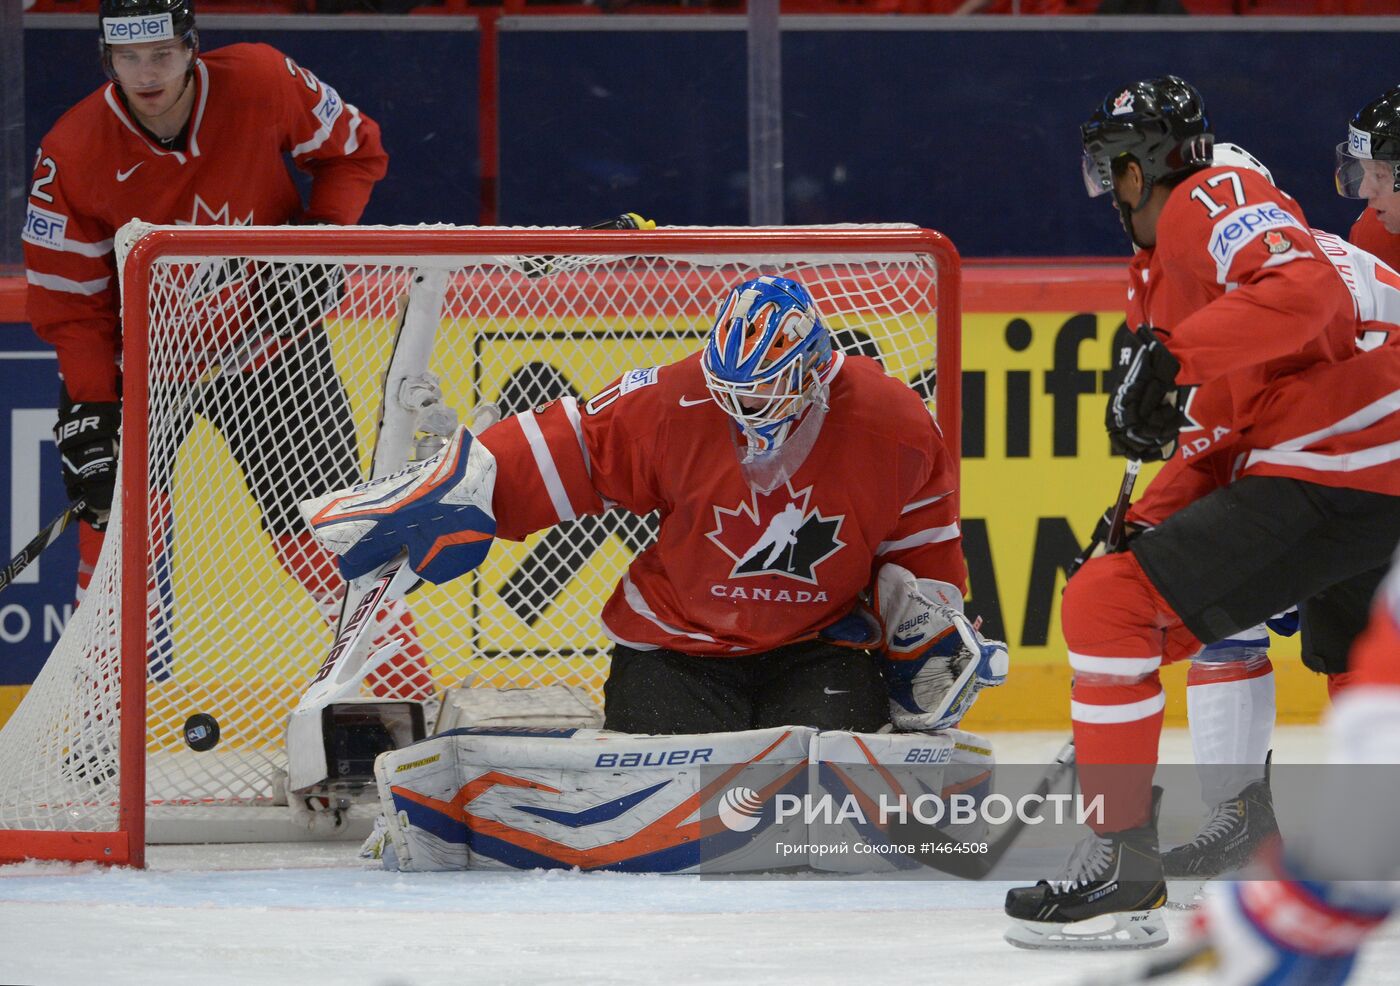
(87, 436)
(934, 659)
(1098, 541)
(439, 510)
(1286, 930)
(1143, 416)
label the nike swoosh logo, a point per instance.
(124, 175)
(687, 402)
(835, 691)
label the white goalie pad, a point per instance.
(548, 707)
(863, 781)
(526, 799)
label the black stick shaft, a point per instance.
(31, 551)
(1117, 520)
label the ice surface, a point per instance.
(313, 913)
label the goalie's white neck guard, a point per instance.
(767, 469)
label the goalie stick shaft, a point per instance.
(975, 866)
(47, 536)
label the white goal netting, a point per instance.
(264, 353)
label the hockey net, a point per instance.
(252, 358)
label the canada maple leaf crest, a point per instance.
(777, 533)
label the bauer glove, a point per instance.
(87, 436)
(1143, 415)
(934, 659)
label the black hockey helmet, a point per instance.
(1373, 135)
(1160, 123)
(137, 21)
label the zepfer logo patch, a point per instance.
(134, 30)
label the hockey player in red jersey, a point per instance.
(789, 479)
(1248, 350)
(1368, 167)
(184, 136)
(1305, 913)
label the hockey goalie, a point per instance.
(807, 576)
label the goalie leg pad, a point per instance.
(439, 510)
(542, 798)
(875, 780)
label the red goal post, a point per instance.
(249, 353)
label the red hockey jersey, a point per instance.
(1266, 330)
(97, 169)
(1370, 235)
(734, 571)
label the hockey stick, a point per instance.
(971, 865)
(1193, 956)
(337, 677)
(48, 535)
(545, 265)
(1117, 520)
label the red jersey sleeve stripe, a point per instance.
(909, 508)
(352, 141)
(544, 462)
(52, 282)
(99, 249)
(930, 535)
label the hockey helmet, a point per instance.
(1373, 135)
(124, 22)
(1235, 156)
(764, 358)
(1159, 123)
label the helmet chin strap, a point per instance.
(1125, 213)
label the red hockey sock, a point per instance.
(1117, 628)
(1116, 730)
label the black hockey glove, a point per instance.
(1098, 541)
(295, 296)
(87, 436)
(1143, 417)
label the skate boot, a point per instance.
(1111, 896)
(1235, 830)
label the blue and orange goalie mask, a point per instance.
(765, 357)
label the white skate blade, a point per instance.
(1120, 930)
(1185, 893)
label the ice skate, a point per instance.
(1111, 896)
(1235, 830)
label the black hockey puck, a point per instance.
(202, 732)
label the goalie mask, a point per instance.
(1368, 161)
(126, 24)
(764, 363)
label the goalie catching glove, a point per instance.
(439, 510)
(934, 659)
